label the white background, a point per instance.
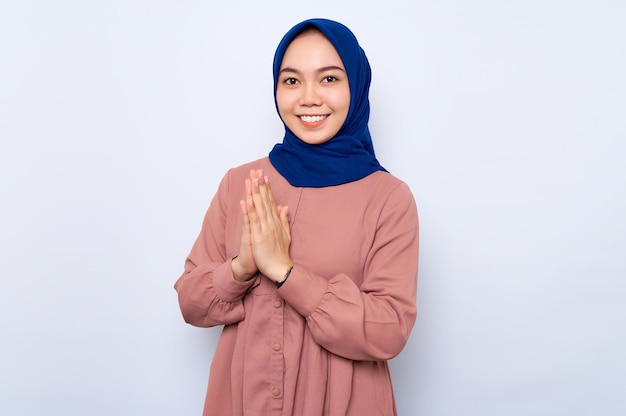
(506, 118)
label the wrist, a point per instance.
(285, 277)
(238, 273)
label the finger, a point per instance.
(270, 194)
(250, 207)
(243, 265)
(267, 197)
(259, 199)
(244, 211)
(245, 227)
(253, 174)
(250, 184)
(249, 202)
(260, 180)
(284, 219)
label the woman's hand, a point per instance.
(268, 227)
(244, 266)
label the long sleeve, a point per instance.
(208, 294)
(370, 320)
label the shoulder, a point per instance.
(384, 178)
(244, 169)
(384, 185)
(391, 199)
(375, 191)
(239, 173)
(375, 196)
(392, 203)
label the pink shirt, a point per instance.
(319, 344)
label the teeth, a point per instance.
(312, 119)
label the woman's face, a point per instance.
(312, 93)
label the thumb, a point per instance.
(284, 218)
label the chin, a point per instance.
(314, 141)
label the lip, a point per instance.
(313, 124)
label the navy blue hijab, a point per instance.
(349, 155)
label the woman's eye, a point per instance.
(330, 78)
(291, 81)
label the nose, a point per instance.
(310, 95)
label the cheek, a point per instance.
(341, 100)
(283, 100)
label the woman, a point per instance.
(309, 257)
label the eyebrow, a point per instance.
(323, 69)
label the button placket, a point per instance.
(276, 358)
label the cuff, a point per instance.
(303, 291)
(227, 288)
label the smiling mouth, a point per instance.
(313, 119)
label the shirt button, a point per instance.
(277, 347)
(278, 303)
(275, 391)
